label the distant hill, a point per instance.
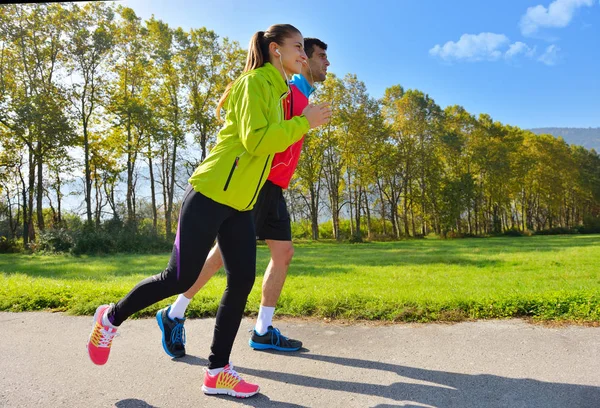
(586, 137)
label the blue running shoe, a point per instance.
(173, 333)
(274, 340)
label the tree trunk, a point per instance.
(405, 212)
(30, 230)
(412, 214)
(24, 205)
(203, 141)
(398, 226)
(88, 170)
(98, 195)
(423, 225)
(165, 188)
(171, 190)
(153, 194)
(10, 215)
(357, 212)
(130, 166)
(58, 199)
(476, 211)
(381, 199)
(523, 211)
(314, 212)
(336, 225)
(350, 204)
(393, 201)
(368, 213)
(40, 189)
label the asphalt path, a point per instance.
(499, 363)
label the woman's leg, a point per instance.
(237, 241)
(199, 222)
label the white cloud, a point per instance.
(472, 47)
(550, 56)
(558, 14)
(519, 48)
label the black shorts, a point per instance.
(270, 214)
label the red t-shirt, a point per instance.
(285, 163)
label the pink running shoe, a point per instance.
(228, 382)
(101, 338)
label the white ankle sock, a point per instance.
(179, 307)
(264, 320)
(215, 371)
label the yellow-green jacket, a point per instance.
(237, 167)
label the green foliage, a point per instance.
(557, 231)
(326, 230)
(10, 246)
(138, 87)
(94, 242)
(55, 240)
(539, 277)
(301, 230)
(591, 225)
(515, 232)
(116, 237)
(112, 237)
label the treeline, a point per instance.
(126, 108)
(426, 170)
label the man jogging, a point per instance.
(272, 224)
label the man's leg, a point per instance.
(213, 263)
(281, 257)
(275, 228)
(171, 319)
(264, 335)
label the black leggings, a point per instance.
(200, 221)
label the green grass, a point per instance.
(544, 277)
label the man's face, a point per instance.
(318, 64)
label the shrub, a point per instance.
(513, 232)
(54, 240)
(301, 230)
(91, 241)
(10, 246)
(591, 225)
(557, 231)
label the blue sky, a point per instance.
(529, 63)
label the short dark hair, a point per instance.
(309, 44)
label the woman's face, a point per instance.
(292, 53)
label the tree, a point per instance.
(207, 66)
(35, 104)
(333, 160)
(168, 100)
(131, 68)
(353, 127)
(309, 175)
(91, 38)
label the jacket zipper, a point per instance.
(281, 113)
(235, 163)
(291, 111)
(259, 181)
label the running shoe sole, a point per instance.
(261, 346)
(224, 391)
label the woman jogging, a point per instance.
(217, 203)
